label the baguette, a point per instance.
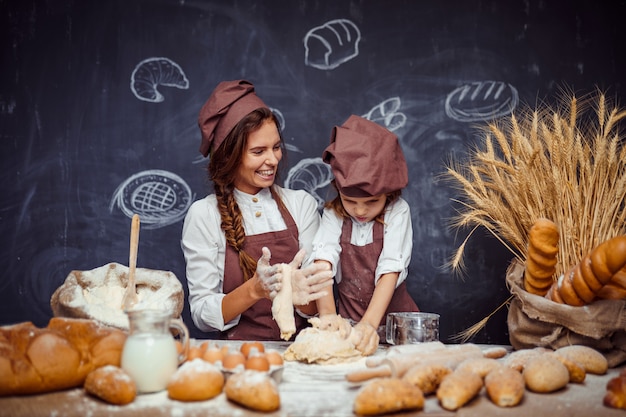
(603, 265)
(541, 257)
(458, 388)
(59, 356)
(505, 386)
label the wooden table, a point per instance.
(312, 391)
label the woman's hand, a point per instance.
(332, 323)
(365, 338)
(308, 283)
(267, 275)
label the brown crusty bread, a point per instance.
(602, 266)
(59, 356)
(111, 384)
(541, 257)
(387, 395)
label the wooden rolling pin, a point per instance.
(397, 365)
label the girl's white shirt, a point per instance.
(204, 244)
(397, 244)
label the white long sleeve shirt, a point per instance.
(397, 243)
(204, 245)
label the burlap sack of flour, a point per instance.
(535, 321)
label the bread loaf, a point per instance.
(541, 258)
(580, 285)
(195, 380)
(254, 390)
(505, 386)
(111, 384)
(590, 359)
(387, 395)
(615, 396)
(458, 388)
(35, 360)
(544, 374)
(426, 376)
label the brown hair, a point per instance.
(337, 205)
(223, 164)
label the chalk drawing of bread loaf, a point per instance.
(150, 73)
(332, 44)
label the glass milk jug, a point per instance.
(149, 355)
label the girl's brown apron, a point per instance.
(358, 265)
(257, 322)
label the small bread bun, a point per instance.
(426, 376)
(111, 384)
(505, 386)
(195, 380)
(480, 366)
(254, 390)
(544, 374)
(593, 361)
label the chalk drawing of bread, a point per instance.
(332, 44)
(386, 113)
(481, 100)
(310, 174)
(150, 73)
(159, 197)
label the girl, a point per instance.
(366, 236)
(247, 218)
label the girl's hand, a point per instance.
(267, 275)
(308, 283)
(365, 338)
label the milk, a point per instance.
(150, 359)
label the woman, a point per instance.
(247, 218)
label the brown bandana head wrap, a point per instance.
(366, 159)
(227, 105)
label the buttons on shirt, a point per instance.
(257, 214)
(255, 200)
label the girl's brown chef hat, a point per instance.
(366, 159)
(227, 105)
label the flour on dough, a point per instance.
(313, 345)
(282, 306)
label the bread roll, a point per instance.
(577, 373)
(458, 388)
(387, 395)
(519, 358)
(505, 386)
(615, 396)
(541, 258)
(111, 384)
(426, 376)
(590, 359)
(480, 366)
(195, 380)
(601, 266)
(544, 374)
(254, 390)
(59, 356)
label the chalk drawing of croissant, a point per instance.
(150, 73)
(386, 113)
(332, 44)
(310, 174)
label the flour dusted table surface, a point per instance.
(312, 391)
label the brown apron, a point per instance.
(257, 322)
(358, 265)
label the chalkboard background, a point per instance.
(99, 102)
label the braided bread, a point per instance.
(603, 266)
(541, 257)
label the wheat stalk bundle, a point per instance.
(565, 163)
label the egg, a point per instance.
(213, 354)
(274, 358)
(258, 363)
(246, 347)
(233, 359)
